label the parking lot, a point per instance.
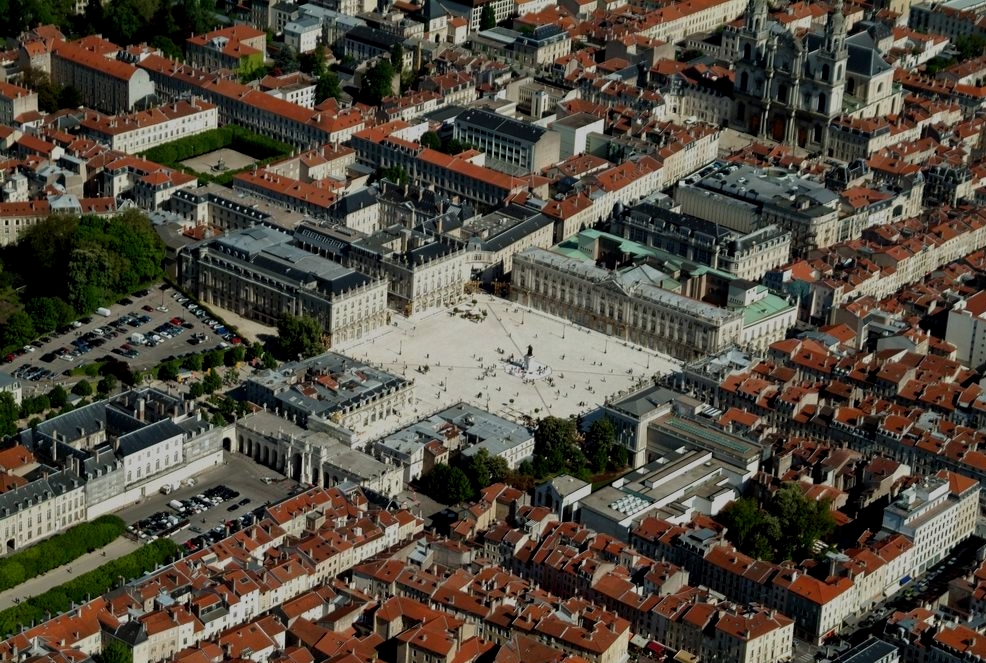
(240, 475)
(181, 514)
(142, 330)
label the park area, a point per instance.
(219, 154)
(479, 353)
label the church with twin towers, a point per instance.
(791, 84)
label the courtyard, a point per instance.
(478, 353)
(219, 161)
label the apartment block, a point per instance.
(332, 389)
(103, 82)
(238, 47)
(745, 255)
(422, 270)
(936, 515)
(15, 101)
(509, 145)
(966, 329)
(138, 132)
(259, 274)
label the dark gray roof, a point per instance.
(517, 232)
(445, 113)
(67, 426)
(354, 202)
(682, 223)
(147, 437)
(642, 402)
(131, 632)
(372, 37)
(864, 58)
(502, 125)
(871, 651)
(432, 10)
(47, 484)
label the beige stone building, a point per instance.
(259, 274)
(138, 132)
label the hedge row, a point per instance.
(60, 599)
(232, 136)
(58, 550)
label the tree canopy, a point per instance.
(487, 20)
(378, 82)
(299, 336)
(87, 262)
(448, 485)
(555, 445)
(785, 527)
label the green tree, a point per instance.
(115, 652)
(168, 371)
(167, 45)
(286, 60)
(619, 457)
(213, 358)
(107, 384)
(397, 56)
(57, 396)
(740, 518)
(554, 441)
(18, 330)
(9, 413)
(40, 82)
(49, 313)
(256, 351)
(395, 174)
(269, 361)
(234, 355)
(34, 405)
(43, 313)
(299, 336)
(89, 272)
(196, 390)
(431, 140)
(448, 485)
(163, 25)
(459, 488)
(313, 63)
(212, 383)
(192, 362)
(487, 20)
(327, 86)
(123, 21)
(599, 442)
(378, 82)
(82, 388)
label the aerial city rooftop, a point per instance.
(575, 331)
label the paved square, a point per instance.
(218, 161)
(461, 350)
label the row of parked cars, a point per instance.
(33, 373)
(156, 526)
(102, 335)
(206, 500)
(62, 331)
(203, 315)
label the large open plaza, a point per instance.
(478, 353)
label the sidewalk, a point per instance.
(62, 574)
